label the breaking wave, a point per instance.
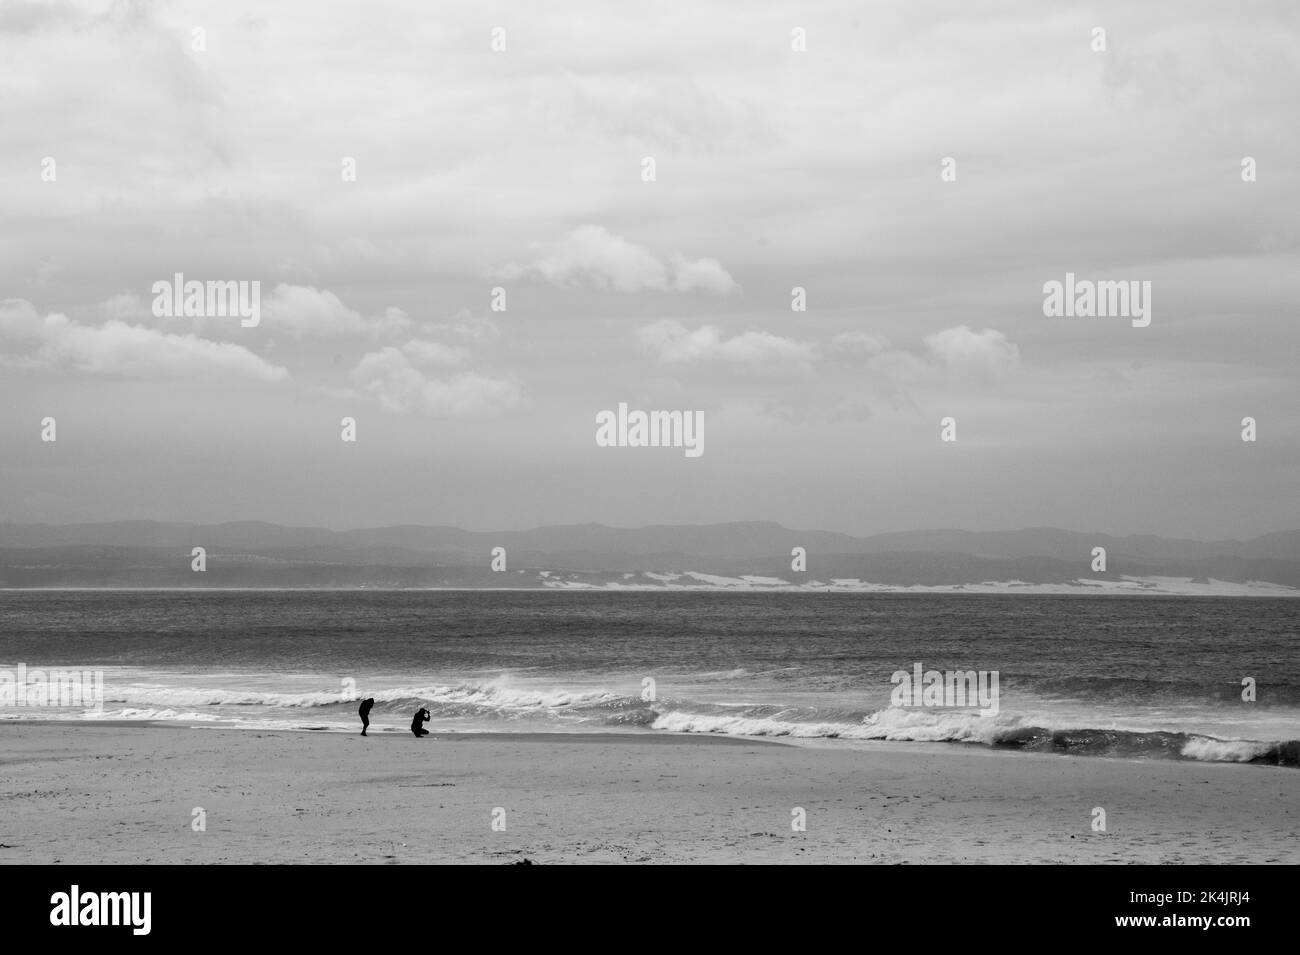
(482, 705)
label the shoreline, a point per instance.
(993, 589)
(647, 735)
(105, 794)
(380, 733)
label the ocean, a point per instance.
(1136, 677)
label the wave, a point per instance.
(1214, 750)
(1002, 731)
(483, 704)
(494, 695)
(678, 721)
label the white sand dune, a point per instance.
(1158, 586)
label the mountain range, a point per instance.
(743, 555)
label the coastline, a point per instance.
(109, 792)
(1252, 590)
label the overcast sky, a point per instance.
(774, 168)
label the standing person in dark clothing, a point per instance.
(366, 704)
(417, 724)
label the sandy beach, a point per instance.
(98, 793)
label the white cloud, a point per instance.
(708, 275)
(19, 321)
(116, 348)
(985, 354)
(592, 255)
(859, 344)
(423, 352)
(957, 352)
(390, 377)
(464, 324)
(896, 365)
(124, 306)
(299, 311)
(673, 342)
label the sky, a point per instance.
(920, 170)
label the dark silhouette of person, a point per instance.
(365, 713)
(417, 724)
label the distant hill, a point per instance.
(256, 554)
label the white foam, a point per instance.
(1224, 750)
(496, 694)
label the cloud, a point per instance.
(299, 311)
(592, 255)
(674, 343)
(859, 344)
(986, 354)
(123, 306)
(464, 324)
(423, 352)
(19, 321)
(116, 348)
(896, 366)
(707, 275)
(957, 352)
(18, 16)
(390, 376)
(855, 369)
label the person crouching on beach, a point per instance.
(365, 714)
(417, 724)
